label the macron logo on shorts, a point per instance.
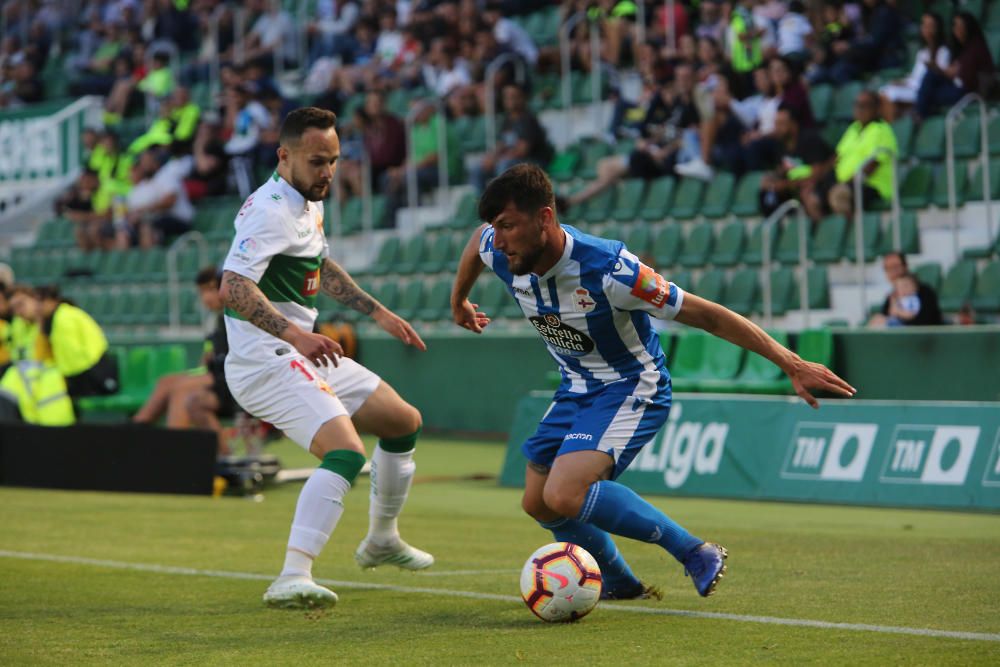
(578, 436)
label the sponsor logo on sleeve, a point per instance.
(246, 249)
(650, 286)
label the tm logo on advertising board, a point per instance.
(835, 452)
(930, 454)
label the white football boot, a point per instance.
(400, 554)
(296, 592)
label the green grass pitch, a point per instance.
(900, 568)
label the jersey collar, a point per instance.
(294, 197)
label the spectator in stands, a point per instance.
(928, 312)
(71, 339)
(384, 138)
(721, 132)
(23, 338)
(833, 41)
(903, 92)
(788, 90)
(332, 31)
(273, 33)
(670, 129)
(210, 167)
(245, 118)
(198, 397)
(868, 144)
(84, 206)
(806, 158)
(970, 71)
(21, 84)
(520, 138)
(424, 160)
(444, 73)
(878, 46)
(509, 35)
(157, 205)
(794, 33)
(710, 21)
(745, 48)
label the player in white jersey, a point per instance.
(281, 372)
(591, 299)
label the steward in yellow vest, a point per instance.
(40, 393)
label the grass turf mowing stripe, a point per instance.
(772, 620)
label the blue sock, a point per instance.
(615, 571)
(618, 509)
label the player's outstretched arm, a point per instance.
(336, 282)
(722, 322)
(242, 295)
(463, 313)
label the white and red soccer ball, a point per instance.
(561, 582)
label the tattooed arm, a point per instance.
(244, 296)
(335, 282)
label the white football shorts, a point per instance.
(297, 396)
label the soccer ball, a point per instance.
(561, 582)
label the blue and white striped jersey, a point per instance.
(592, 310)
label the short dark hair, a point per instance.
(208, 276)
(792, 112)
(526, 185)
(300, 120)
(901, 256)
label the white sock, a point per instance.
(320, 505)
(391, 476)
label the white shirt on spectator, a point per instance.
(334, 22)
(516, 38)
(443, 81)
(792, 32)
(276, 31)
(388, 45)
(906, 91)
(163, 184)
(768, 112)
(249, 122)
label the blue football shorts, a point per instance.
(619, 419)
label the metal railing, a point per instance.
(239, 34)
(215, 63)
(173, 277)
(412, 193)
(766, 260)
(984, 156)
(859, 221)
(566, 83)
(491, 102)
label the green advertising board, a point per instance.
(919, 454)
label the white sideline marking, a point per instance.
(456, 573)
(772, 620)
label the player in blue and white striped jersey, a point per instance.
(590, 299)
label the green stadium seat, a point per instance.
(490, 295)
(833, 131)
(388, 254)
(666, 245)
(966, 136)
(591, 152)
(843, 101)
(630, 195)
(659, 197)
(871, 230)
(939, 192)
(681, 278)
(929, 142)
(787, 251)
(143, 366)
(903, 129)
(753, 253)
(815, 345)
(437, 302)
(929, 274)
(351, 216)
(916, 186)
(687, 201)
(703, 357)
(611, 231)
(980, 252)
(729, 245)
(411, 255)
(993, 134)
(958, 285)
(975, 186)
(439, 254)
(821, 99)
(387, 294)
(909, 235)
(564, 165)
(697, 245)
(597, 209)
(828, 242)
(472, 133)
(759, 376)
(466, 213)
(711, 284)
(637, 240)
(741, 291)
(719, 195)
(510, 309)
(411, 300)
(746, 200)
(819, 288)
(986, 297)
(782, 292)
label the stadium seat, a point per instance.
(929, 274)
(711, 284)
(929, 142)
(958, 285)
(597, 209)
(387, 294)
(759, 376)
(966, 136)
(411, 255)
(351, 217)
(729, 245)
(659, 197)
(142, 367)
(975, 184)
(591, 152)
(915, 188)
(439, 253)
(833, 131)
(564, 165)
(385, 261)
(509, 307)
(871, 230)
(746, 200)
(437, 304)
(630, 195)
(687, 201)
(828, 242)
(490, 295)
(741, 291)
(903, 129)
(466, 213)
(939, 191)
(702, 357)
(787, 251)
(666, 245)
(909, 235)
(986, 297)
(782, 292)
(680, 277)
(820, 99)
(718, 195)
(992, 248)
(815, 345)
(993, 134)
(471, 131)
(819, 288)
(411, 300)
(697, 245)
(843, 101)
(753, 252)
(637, 240)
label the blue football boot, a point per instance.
(706, 564)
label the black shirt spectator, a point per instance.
(894, 265)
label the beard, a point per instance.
(522, 263)
(311, 191)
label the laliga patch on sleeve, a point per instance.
(651, 286)
(246, 249)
